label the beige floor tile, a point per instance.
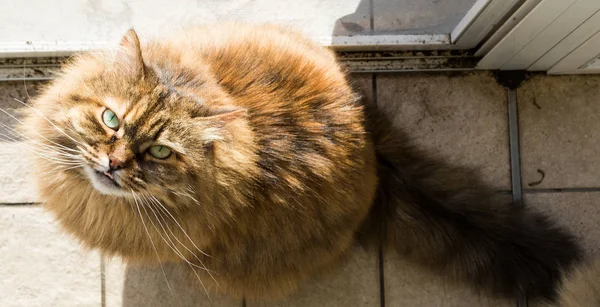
(460, 117)
(42, 267)
(9, 91)
(17, 184)
(356, 284)
(408, 285)
(419, 17)
(129, 286)
(579, 212)
(559, 121)
(16, 176)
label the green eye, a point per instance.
(159, 152)
(110, 119)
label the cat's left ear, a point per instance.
(226, 122)
(129, 55)
(226, 116)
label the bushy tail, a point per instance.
(581, 287)
(443, 218)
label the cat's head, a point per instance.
(128, 126)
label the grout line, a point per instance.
(523, 191)
(381, 276)
(374, 89)
(561, 190)
(18, 204)
(515, 161)
(102, 282)
(513, 138)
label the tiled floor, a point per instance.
(560, 132)
(40, 265)
(462, 117)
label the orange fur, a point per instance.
(272, 171)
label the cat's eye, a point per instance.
(159, 152)
(110, 119)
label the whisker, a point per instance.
(89, 149)
(186, 195)
(179, 225)
(70, 168)
(35, 132)
(60, 168)
(151, 241)
(46, 155)
(192, 191)
(86, 154)
(184, 246)
(16, 132)
(91, 159)
(160, 205)
(176, 250)
(15, 139)
(46, 118)
(173, 247)
(25, 83)
(137, 182)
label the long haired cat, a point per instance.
(241, 151)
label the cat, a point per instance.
(242, 151)
(581, 286)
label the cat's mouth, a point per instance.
(107, 177)
(106, 182)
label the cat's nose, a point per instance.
(120, 157)
(115, 163)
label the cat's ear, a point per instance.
(223, 123)
(128, 58)
(226, 116)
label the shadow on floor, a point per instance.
(148, 287)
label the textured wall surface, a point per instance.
(462, 117)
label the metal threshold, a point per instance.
(44, 68)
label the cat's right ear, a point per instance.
(128, 59)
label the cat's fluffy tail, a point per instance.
(442, 217)
(581, 287)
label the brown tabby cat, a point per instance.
(241, 151)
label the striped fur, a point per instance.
(274, 171)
